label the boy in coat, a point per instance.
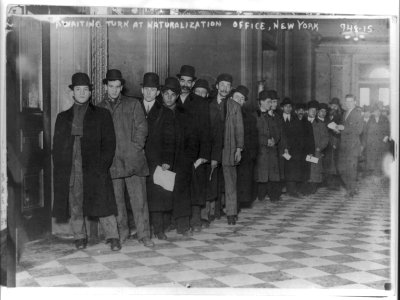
(129, 168)
(83, 150)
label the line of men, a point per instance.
(222, 152)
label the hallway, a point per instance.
(317, 242)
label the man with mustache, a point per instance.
(199, 116)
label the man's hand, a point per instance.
(165, 167)
(214, 164)
(271, 142)
(203, 160)
(286, 151)
(238, 155)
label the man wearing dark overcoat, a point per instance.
(202, 89)
(159, 149)
(350, 145)
(129, 168)
(200, 119)
(293, 130)
(83, 151)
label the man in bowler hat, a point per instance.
(129, 168)
(83, 151)
(199, 112)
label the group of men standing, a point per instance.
(222, 153)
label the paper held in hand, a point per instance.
(287, 156)
(165, 179)
(334, 126)
(312, 159)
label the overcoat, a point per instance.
(350, 143)
(131, 132)
(233, 132)
(308, 148)
(245, 170)
(97, 148)
(294, 133)
(321, 140)
(375, 147)
(267, 165)
(186, 151)
(159, 149)
(329, 161)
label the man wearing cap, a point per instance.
(293, 130)
(245, 170)
(321, 140)
(186, 149)
(159, 149)
(350, 145)
(83, 151)
(129, 168)
(200, 124)
(270, 136)
(202, 89)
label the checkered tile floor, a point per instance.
(318, 242)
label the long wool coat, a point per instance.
(350, 142)
(186, 151)
(375, 147)
(245, 170)
(131, 132)
(98, 148)
(233, 132)
(321, 140)
(267, 165)
(159, 149)
(309, 147)
(294, 133)
(329, 161)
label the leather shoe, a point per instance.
(231, 220)
(147, 242)
(115, 244)
(160, 236)
(80, 244)
(196, 228)
(185, 233)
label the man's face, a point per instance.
(186, 83)
(239, 98)
(274, 104)
(300, 112)
(202, 92)
(334, 106)
(150, 93)
(322, 113)
(265, 104)
(377, 113)
(81, 93)
(287, 109)
(114, 89)
(224, 88)
(169, 98)
(312, 112)
(350, 103)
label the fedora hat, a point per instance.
(286, 101)
(80, 79)
(313, 104)
(201, 83)
(224, 77)
(335, 101)
(242, 90)
(151, 80)
(171, 83)
(112, 75)
(187, 70)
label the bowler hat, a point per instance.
(272, 94)
(300, 106)
(80, 79)
(171, 83)
(151, 80)
(262, 95)
(286, 101)
(335, 101)
(324, 106)
(224, 77)
(187, 71)
(201, 83)
(313, 104)
(241, 89)
(112, 75)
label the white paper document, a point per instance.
(197, 163)
(340, 127)
(165, 179)
(287, 156)
(332, 125)
(312, 159)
